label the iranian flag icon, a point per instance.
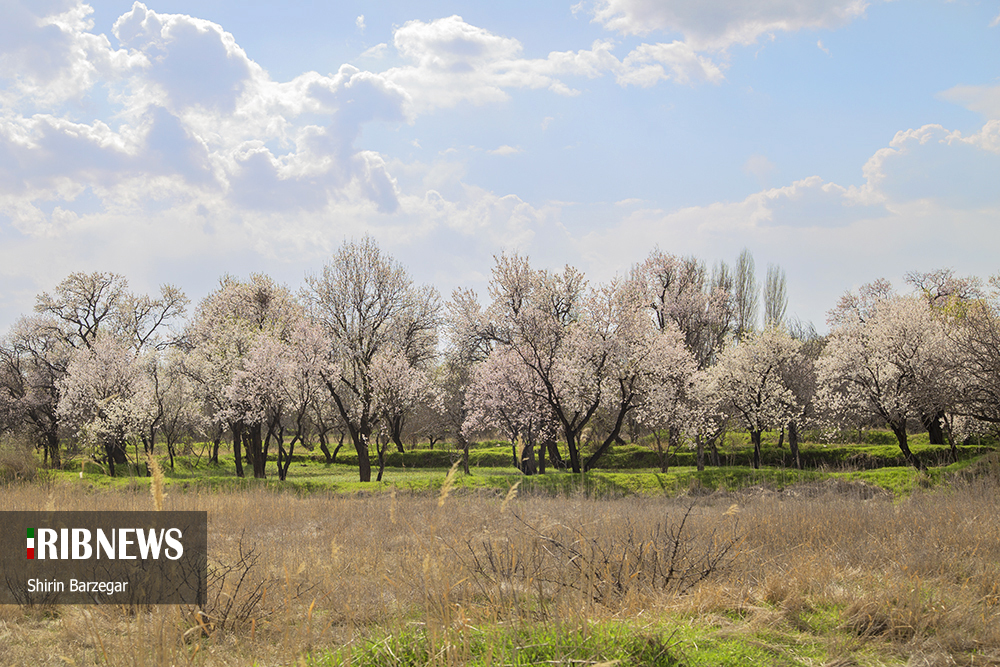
(31, 544)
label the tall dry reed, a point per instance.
(294, 576)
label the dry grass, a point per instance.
(17, 459)
(294, 578)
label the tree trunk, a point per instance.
(900, 432)
(110, 459)
(755, 438)
(364, 463)
(465, 454)
(396, 431)
(622, 412)
(714, 442)
(361, 435)
(659, 450)
(673, 442)
(574, 452)
(116, 454)
(237, 429)
(381, 458)
(933, 425)
(215, 450)
(700, 449)
(256, 451)
(52, 449)
(793, 443)
(554, 456)
(323, 448)
(528, 457)
(285, 460)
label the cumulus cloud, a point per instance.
(196, 121)
(933, 163)
(205, 158)
(451, 61)
(48, 55)
(718, 24)
(191, 61)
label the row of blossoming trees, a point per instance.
(552, 364)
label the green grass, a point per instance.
(311, 476)
(626, 470)
(694, 642)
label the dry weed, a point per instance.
(295, 576)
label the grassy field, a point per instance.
(625, 470)
(731, 566)
(830, 574)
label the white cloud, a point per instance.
(206, 173)
(197, 121)
(981, 99)
(360, 23)
(376, 52)
(209, 162)
(505, 150)
(454, 61)
(48, 56)
(718, 24)
(932, 163)
(649, 63)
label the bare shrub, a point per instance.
(237, 591)
(642, 556)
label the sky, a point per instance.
(178, 141)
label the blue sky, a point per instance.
(178, 141)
